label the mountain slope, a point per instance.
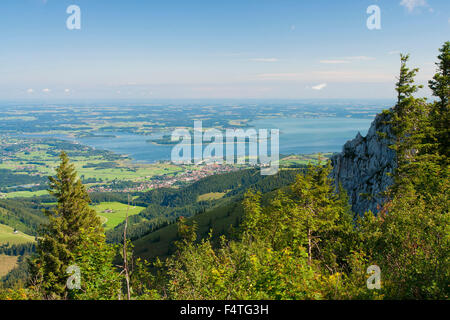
(226, 213)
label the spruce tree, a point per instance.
(440, 85)
(405, 86)
(409, 239)
(403, 110)
(317, 206)
(66, 232)
(408, 122)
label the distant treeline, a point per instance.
(10, 179)
(97, 197)
(101, 165)
(17, 249)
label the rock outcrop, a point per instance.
(364, 165)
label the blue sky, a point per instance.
(262, 49)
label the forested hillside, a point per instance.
(165, 206)
(24, 215)
(223, 219)
(294, 236)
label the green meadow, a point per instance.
(304, 159)
(113, 213)
(7, 235)
(211, 196)
(25, 194)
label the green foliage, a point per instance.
(66, 232)
(280, 254)
(240, 270)
(74, 237)
(409, 239)
(317, 206)
(165, 206)
(413, 247)
(304, 244)
(142, 281)
(440, 114)
(440, 85)
(99, 278)
(405, 86)
(19, 294)
(296, 242)
(160, 231)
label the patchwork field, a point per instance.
(26, 163)
(113, 213)
(124, 170)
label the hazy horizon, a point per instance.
(215, 50)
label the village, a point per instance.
(171, 181)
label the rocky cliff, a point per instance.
(363, 166)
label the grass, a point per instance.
(26, 194)
(7, 263)
(117, 214)
(210, 196)
(7, 235)
(304, 159)
(125, 171)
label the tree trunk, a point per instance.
(309, 245)
(125, 258)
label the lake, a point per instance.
(297, 136)
(305, 136)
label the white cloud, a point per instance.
(264, 59)
(347, 60)
(30, 91)
(361, 58)
(412, 4)
(334, 61)
(46, 90)
(394, 52)
(319, 86)
(67, 90)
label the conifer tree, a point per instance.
(317, 204)
(66, 232)
(408, 121)
(403, 110)
(440, 85)
(409, 239)
(405, 86)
